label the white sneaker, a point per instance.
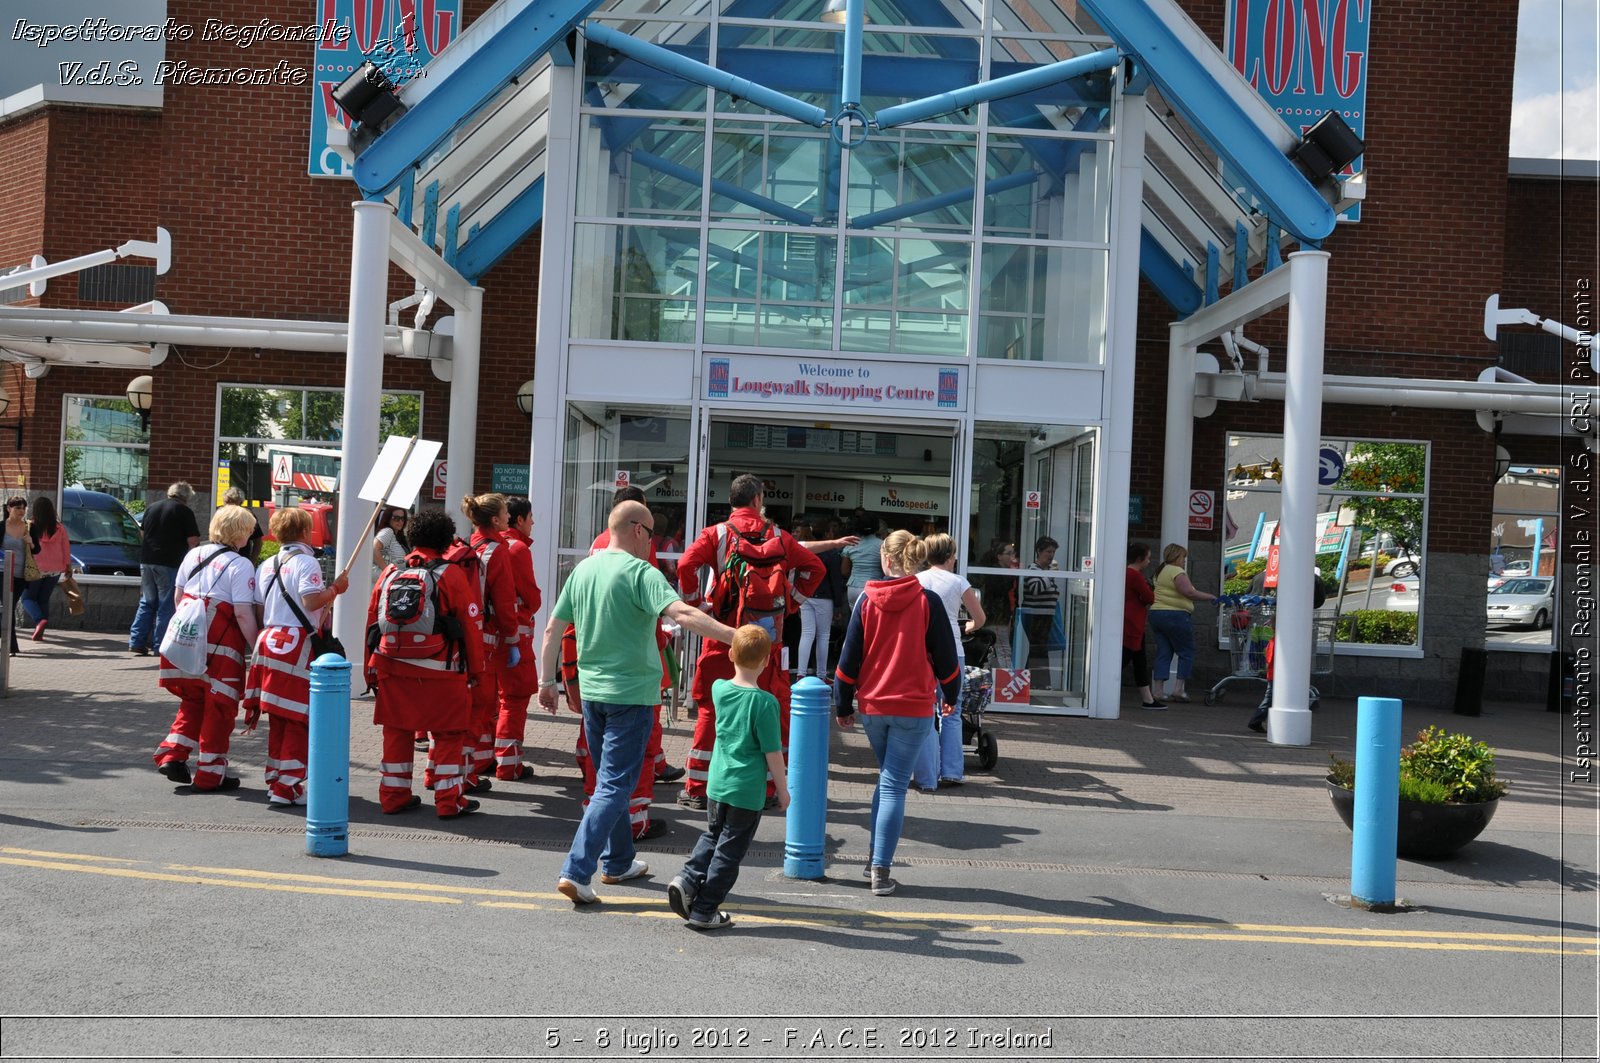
(576, 892)
(637, 870)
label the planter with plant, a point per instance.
(1448, 792)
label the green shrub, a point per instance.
(269, 548)
(1378, 626)
(1436, 768)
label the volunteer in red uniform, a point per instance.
(430, 687)
(216, 572)
(518, 682)
(497, 589)
(280, 672)
(804, 572)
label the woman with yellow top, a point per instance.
(1172, 619)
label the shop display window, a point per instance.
(105, 448)
(1371, 533)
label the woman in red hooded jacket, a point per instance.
(899, 661)
(497, 583)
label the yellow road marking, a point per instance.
(650, 906)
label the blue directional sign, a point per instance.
(1330, 466)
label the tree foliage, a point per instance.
(1400, 468)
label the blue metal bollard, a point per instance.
(1377, 809)
(328, 765)
(810, 716)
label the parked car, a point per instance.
(105, 537)
(1403, 597)
(1524, 600)
(1513, 570)
(1404, 565)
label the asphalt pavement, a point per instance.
(1165, 885)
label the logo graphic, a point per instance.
(717, 379)
(949, 387)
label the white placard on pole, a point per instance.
(400, 470)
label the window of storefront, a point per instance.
(105, 448)
(1524, 581)
(281, 444)
(1031, 556)
(1371, 531)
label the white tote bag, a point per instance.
(184, 644)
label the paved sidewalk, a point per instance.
(81, 698)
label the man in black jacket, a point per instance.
(170, 532)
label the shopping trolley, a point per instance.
(1246, 625)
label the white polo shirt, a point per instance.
(301, 576)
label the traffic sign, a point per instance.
(1202, 510)
(1330, 466)
(282, 470)
(439, 473)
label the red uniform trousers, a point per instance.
(713, 665)
(478, 753)
(279, 684)
(511, 723)
(438, 704)
(208, 704)
(205, 724)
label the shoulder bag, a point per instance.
(321, 639)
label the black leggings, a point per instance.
(1141, 667)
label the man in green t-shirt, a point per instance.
(749, 745)
(615, 599)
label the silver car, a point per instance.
(1523, 600)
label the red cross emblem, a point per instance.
(284, 640)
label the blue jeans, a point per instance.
(36, 598)
(942, 756)
(617, 736)
(713, 867)
(155, 606)
(895, 741)
(1174, 638)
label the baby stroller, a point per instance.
(978, 688)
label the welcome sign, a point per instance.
(1305, 57)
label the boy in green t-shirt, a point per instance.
(749, 745)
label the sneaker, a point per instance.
(670, 774)
(38, 630)
(680, 896)
(638, 869)
(175, 770)
(139, 651)
(1152, 705)
(882, 884)
(576, 892)
(943, 782)
(694, 801)
(654, 828)
(715, 921)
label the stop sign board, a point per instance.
(1202, 510)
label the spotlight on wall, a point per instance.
(5, 404)
(525, 398)
(141, 395)
(1327, 147)
(368, 97)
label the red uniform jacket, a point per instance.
(499, 585)
(417, 697)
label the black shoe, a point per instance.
(484, 785)
(1257, 726)
(176, 770)
(139, 651)
(468, 809)
(411, 803)
(655, 828)
(230, 782)
(670, 774)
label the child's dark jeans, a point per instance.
(713, 867)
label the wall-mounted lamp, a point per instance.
(1327, 148)
(525, 398)
(370, 98)
(141, 394)
(5, 404)
(1502, 463)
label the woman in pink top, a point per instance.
(53, 552)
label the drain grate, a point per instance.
(776, 854)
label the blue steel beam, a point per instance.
(997, 89)
(494, 241)
(1167, 275)
(1189, 87)
(724, 188)
(525, 37)
(710, 76)
(850, 77)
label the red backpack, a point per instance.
(752, 576)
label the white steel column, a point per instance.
(550, 353)
(1116, 414)
(1177, 460)
(1289, 722)
(461, 446)
(363, 395)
